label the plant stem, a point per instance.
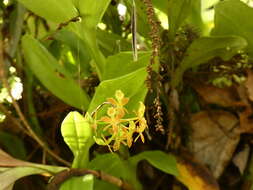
(66, 174)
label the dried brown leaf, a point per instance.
(241, 158)
(195, 175)
(225, 97)
(8, 161)
(215, 135)
(246, 120)
(249, 84)
(242, 93)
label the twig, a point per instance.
(19, 112)
(63, 25)
(69, 173)
(5, 111)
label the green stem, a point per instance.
(29, 97)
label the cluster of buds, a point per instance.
(117, 129)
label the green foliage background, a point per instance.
(77, 53)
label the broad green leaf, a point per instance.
(76, 183)
(207, 4)
(132, 85)
(206, 48)
(142, 27)
(112, 20)
(89, 181)
(48, 168)
(178, 12)
(91, 13)
(208, 14)
(8, 161)
(88, 35)
(233, 18)
(29, 91)
(52, 75)
(11, 175)
(101, 185)
(111, 43)
(161, 5)
(10, 187)
(2, 6)
(109, 163)
(195, 17)
(16, 27)
(115, 63)
(77, 134)
(3, 169)
(53, 10)
(112, 164)
(78, 47)
(75, 2)
(161, 160)
(13, 144)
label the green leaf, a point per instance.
(52, 75)
(88, 35)
(16, 27)
(78, 48)
(207, 4)
(161, 5)
(77, 134)
(195, 17)
(109, 163)
(161, 160)
(112, 164)
(132, 85)
(112, 43)
(76, 183)
(53, 10)
(112, 20)
(178, 12)
(91, 13)
(75, 2)
(11, 175)
(233, 18)
(142, 27)
(115, 63)
(8, 161)
(206, 48)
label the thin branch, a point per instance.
(6, 112)
(69, 173)
(63, 25)
(19, 112)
